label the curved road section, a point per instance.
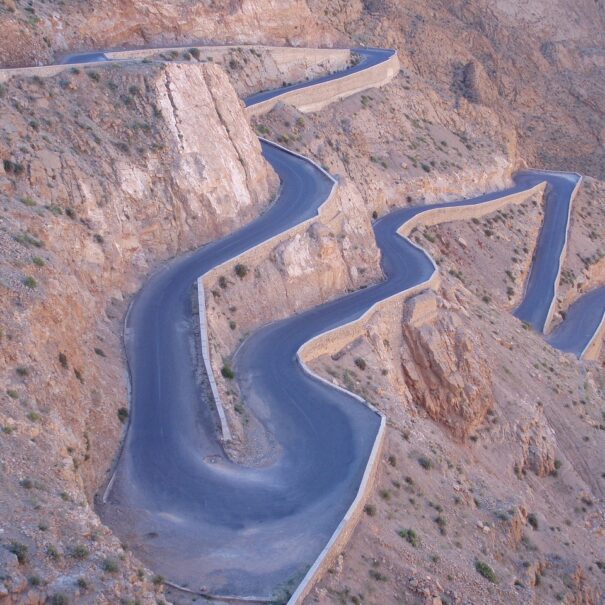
(175, 498)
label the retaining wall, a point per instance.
(333, 341)
(593, 348)
(348, 524)
(314, 98)
(256, 253)
(285, 58)
(435, 216)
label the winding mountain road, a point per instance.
(217, 527)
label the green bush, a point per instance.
(123, 415)
(486, 571)
(110, 565)
(370, 510)
(425, 463)
(28, 240)
(19, 550)
(532, 519)
(227, 372)
(409, 535)
(52, 552)
(80, 552)
(241, 270)
(361, 363)
(30, 282)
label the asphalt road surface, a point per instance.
(368, 58)
(207, 523)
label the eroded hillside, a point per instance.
(494, 454)
(106, 173)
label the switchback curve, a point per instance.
(177, 498)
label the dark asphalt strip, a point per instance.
(177, 500)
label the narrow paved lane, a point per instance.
(544, 275)
(176, 499)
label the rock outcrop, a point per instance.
(442, 365)
(538, 445)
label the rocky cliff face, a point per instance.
(105, 174)
(443, 367)
(536, 63)
(36, 31)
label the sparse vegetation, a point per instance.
(28, 240)
(52, 552)
(486, 571)
(378, 576)
(410, 536)
(360, 363)
(19, 550)
(425, 463)
(110, 565)
(28, 201)
(227, 372)
(240, 270)
(370, 510)
(532, 519)
(80, 551)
